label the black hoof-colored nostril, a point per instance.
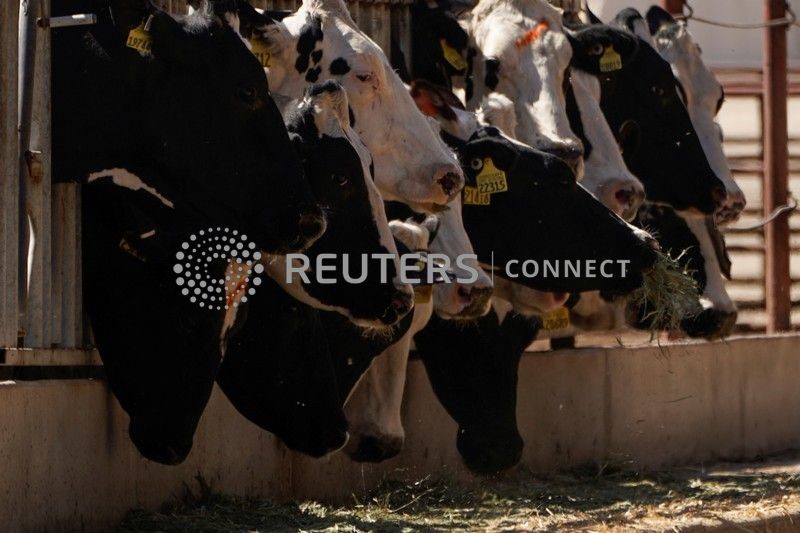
(449, 183)
(400, 306)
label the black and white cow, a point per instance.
(522, 52)
(321, 41)
(703, 94)
(178, 134)
(338, 168)
(639, 92)
(280, 370)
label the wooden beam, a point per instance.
(776, 170)
(673, 6)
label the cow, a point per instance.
(280, 368)
(522, 52)
(178, 135)
(321, 41)
(338, 167)
(701, 250)
(640, 98)
(373, 408)
(490, 357)
(704, 96)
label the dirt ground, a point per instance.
(763, 496)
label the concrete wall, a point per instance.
(66, 462)
(722, 47)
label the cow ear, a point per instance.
(593, 53)
(430, 101)
(629, 137)
(658, 17)
(276, 36)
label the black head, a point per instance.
(669, 159)
(279, 373)
(594, 49)
(678, 240)
(338, 168)
(439, 44)
(207, 116)
(559, 219)
(473, 371)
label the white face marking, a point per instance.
(605, 173)
(498, 111)
(703, 93)
(531, 75)
(332, 119)
(715, 295)
(452, 240)
(124, 178)
(410, 158)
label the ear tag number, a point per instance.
(556, 319)
(259, 47)
(452, 56)
(491, 179)
(139, 39)
(473, 197)
(610, 61)
(422, 294)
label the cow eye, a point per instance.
(340, 180)
(367, 77)
(476, 163)
(658, 91)
(596, 49)
(247, 94)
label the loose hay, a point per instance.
(519, 501)
(668, 295)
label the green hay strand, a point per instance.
(668, 295)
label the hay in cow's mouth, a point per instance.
(668, 295)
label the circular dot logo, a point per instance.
(195, 261)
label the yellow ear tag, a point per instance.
(422, 294)
(452, 56)
(139, 39)
(491, 179)
(473, 197)
(259, 47)
(556, 319)
(610, 60)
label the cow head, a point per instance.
(473, 369)
(320, 41)
(605, 173)
(438, 43)
(339, 169)
(447, 238)
(702, 252)
(704, 99)
(210, 121)
(642, 90)
(523, 54)
(544, 202)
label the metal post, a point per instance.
(776, 171)
(673, 6)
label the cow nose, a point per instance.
(628, 197)
(451, 180)
(719, 195)
(312, 226)
(477, 300)
(402, 302)
(373, 449)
